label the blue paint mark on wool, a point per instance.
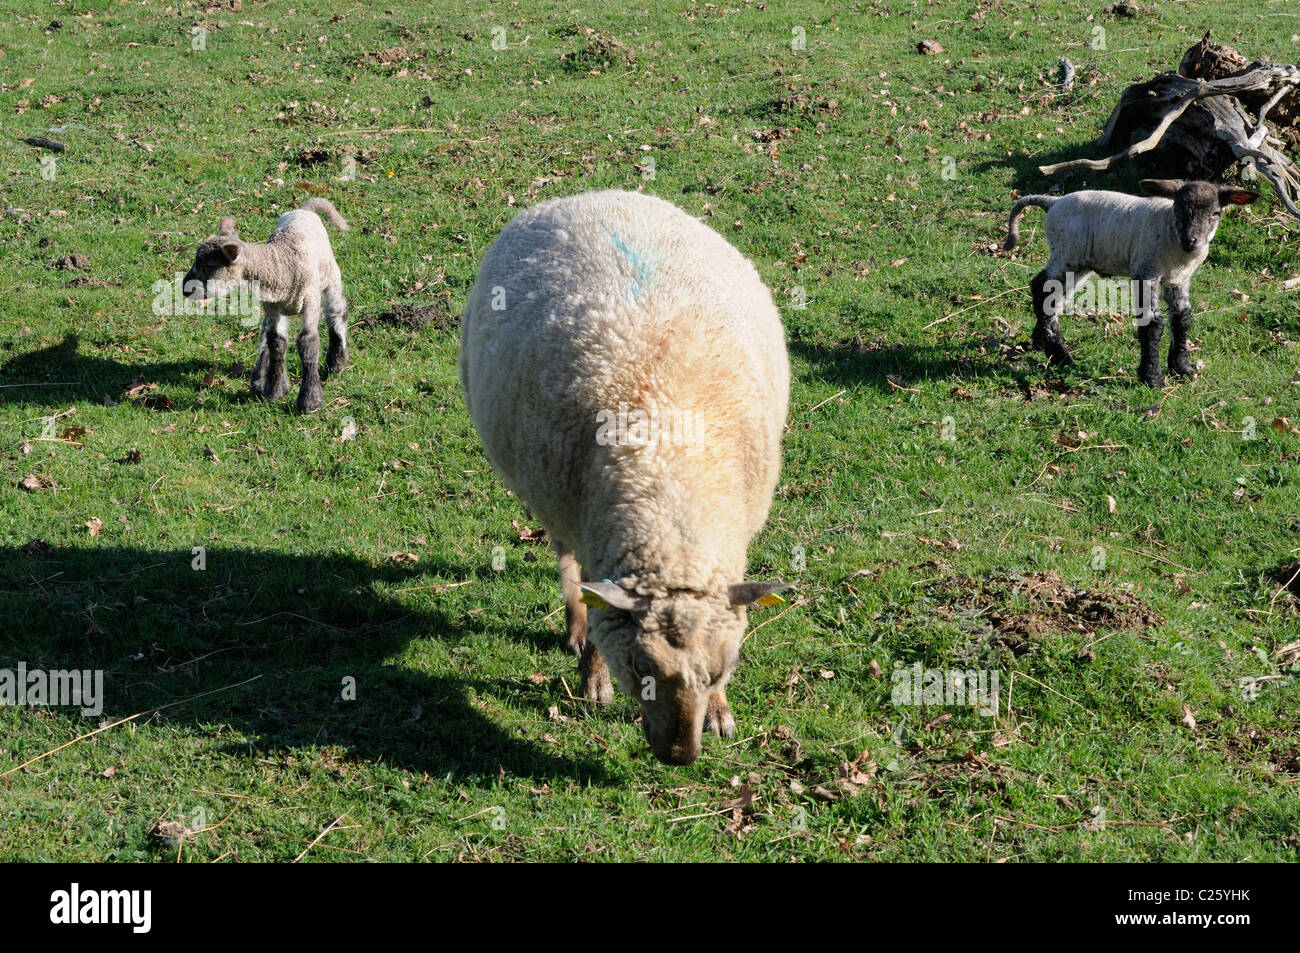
(641, 265)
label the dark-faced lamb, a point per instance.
(1158, 242)
(294, 272)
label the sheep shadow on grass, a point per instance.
(62, 374)
(162, 631)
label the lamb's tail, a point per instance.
(1013, 223)
(326, 207)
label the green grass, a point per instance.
(463, 741)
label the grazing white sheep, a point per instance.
(1159, 242)
(627, 372)
(294, 272)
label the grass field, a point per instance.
(1110, 551)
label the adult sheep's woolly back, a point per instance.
(626, 369)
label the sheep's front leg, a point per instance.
(1179, 304)
(269, 378)
(1151, 327)
(575, 611)
(717, 717)
(596, 684)
(310, 397)
(1048, 291)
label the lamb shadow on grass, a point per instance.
(62, 374)
(162, 631)
(912, 365)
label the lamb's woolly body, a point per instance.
(294, 272)
(1158, 241)
(612, 299)
(1114, 234)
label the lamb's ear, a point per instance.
(227, 226)
(1165, 188)
(230, 249)
(764, 593)
(606, 595)
(1232, 196)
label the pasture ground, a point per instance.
(1112, 552)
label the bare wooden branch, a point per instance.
(1205, 119)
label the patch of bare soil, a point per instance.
(413, 316)
(74, 262)
(602, 52)
(1054, 608)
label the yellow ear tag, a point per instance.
(593, 600)
(771, 599)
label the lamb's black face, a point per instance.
(1196, 215)
(213, 270)
(1198, 206)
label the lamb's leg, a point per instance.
(1048, 290)
(1179, 304)
(336, 318)
(1151, 326)
(596, 685)
(269, 378)
(717, 717)
(310, 397)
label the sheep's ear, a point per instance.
(1165, 188)
(610, 595)
(1230, 196)
(747, 593)
(227, 226)
(230, 250)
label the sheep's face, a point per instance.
(672, 654)
(1198, 206)
(217, 266)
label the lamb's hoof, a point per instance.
(1182, 368)
(597, 687)
(1151, 377)
(334, 366)
(576, 643)
(310, 399)
(717, 718)
(270, 390)
(1059, 358)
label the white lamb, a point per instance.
(1159, 242)
(627, 372)
(293, 272)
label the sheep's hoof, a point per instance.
(1060, 358)
(310, 399)
(717, 717)
(1182, 368)
(596, 685)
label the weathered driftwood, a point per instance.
(1205, 120)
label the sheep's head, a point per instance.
(217, 266)
(1197, 207)
(672, 653)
